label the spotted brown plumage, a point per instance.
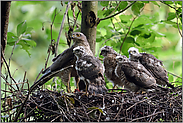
(64, 64)
(110, 64)
(152, 64)
(90, 70)
(136, 73)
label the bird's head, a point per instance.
(78, 37)
(121, 59)
(79, 51)
(107, 50)
(133, 53)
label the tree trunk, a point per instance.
(5, 9)
(89, 22)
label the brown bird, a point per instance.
(136, 73)
(63, 65)
(110, 64)
(90, 70)
(152, 64)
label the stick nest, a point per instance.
(49, 106)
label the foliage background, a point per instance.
(154, 31)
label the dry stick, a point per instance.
(118, 12)
(61, 28)
(23, 79)
(151, 116)
(61, 110)
(147, 116)
(17, 115)
(2, 55)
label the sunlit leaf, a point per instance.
(136, 8)
(104, 3)
(129, 40)
(171, 16)
(122, 5)
(21, 28)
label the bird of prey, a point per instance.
(90, 70)
(136, 73)
(152, 64)
(64, 64)
(110, 64)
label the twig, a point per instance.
(110, 16)
(174, 74)
(14, 48)
(7, 81)
(170, 6)
(61, 110)
(177, 21)
(129, 30)
(147, 116)
(127, 33)
(24, 79)
(61, 28)
(2, 55)
(139, 102)
(151, 116)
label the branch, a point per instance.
(174, 75)
(129, 30)
(61, 28)
(2, 55)
(177, 22)
(110, 16)
(170, 6)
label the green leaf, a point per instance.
(135, 32)
(21, 28)
(171, 16)
(122, 5)
(11, 38)
(26, 45)
(108, 12)
(129, 40)
(136, 8)
(104, 3)
(91, 108)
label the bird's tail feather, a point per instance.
(46, 77)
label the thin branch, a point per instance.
(129, 30)
(14, 48)
(177, 21)
(147, 116)
(127, 33)
(170, 6)
(2, 55)
(174, 75)
(61, 28)
(118, 12)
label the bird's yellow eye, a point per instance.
(73, 35)
(78, 35)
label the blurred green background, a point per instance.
(154, 31)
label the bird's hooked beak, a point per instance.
(72, 36)
(130, 52)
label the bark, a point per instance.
(89, 22)
(5, 9)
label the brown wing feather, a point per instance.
(155, 67)
(135, 72)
